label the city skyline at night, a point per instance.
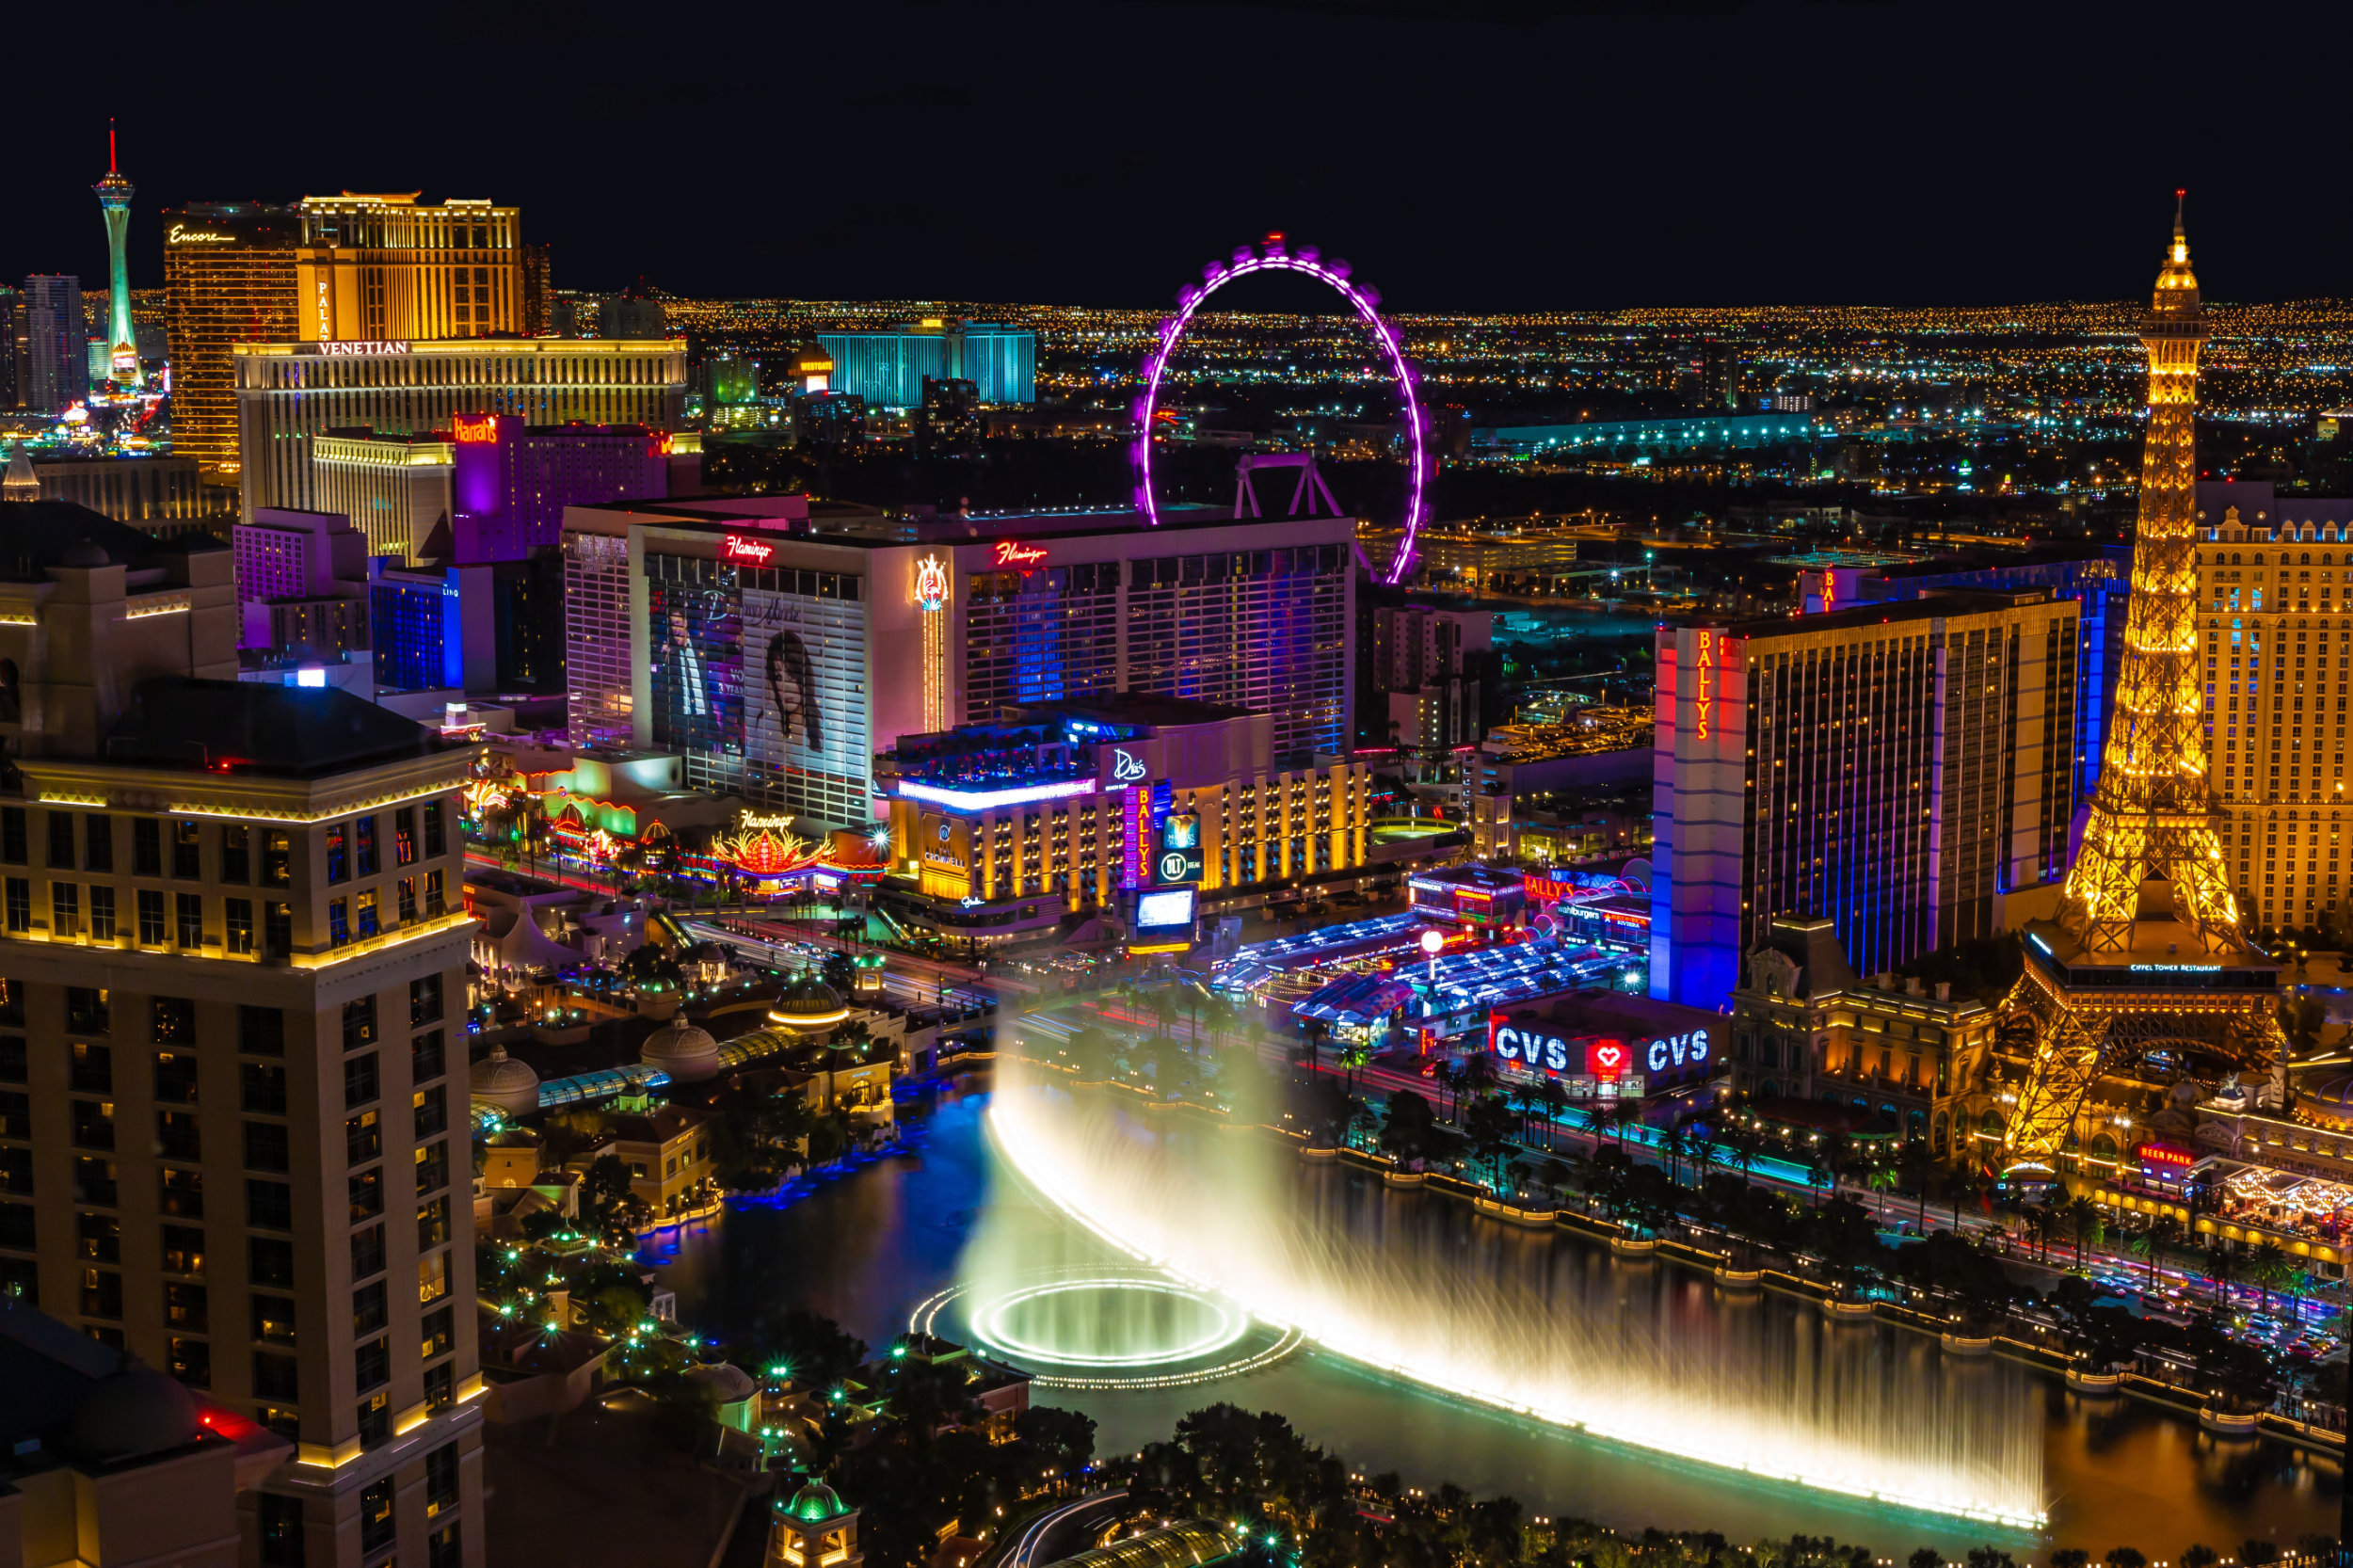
(781, 788)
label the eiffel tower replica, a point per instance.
(2145, 976)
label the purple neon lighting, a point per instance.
(1215, 276)
(982, 800)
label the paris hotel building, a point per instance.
(2275, 582)
(232, 1114)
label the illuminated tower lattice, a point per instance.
(114, 200)
(2146, 974)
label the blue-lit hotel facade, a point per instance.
(1902, 770)
(888, 368)
(2100, 582)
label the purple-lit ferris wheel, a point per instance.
(1273, 255)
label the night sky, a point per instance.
(1482, 156)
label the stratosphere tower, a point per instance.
(114, 200)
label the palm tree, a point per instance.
(1883, 1181)
(2266, 1266)
(1554, 1099)
(1477, 1074)
(1917, 1165)
(1311, 1036)
(2161, 1232)
(1838, 1157)
(1623, 1113)
(1674, 1144)
(1741, 1144)
(2040, 1221)
(1352, 1056)
(2222, 1267)
(1164, 1008)
(2083, 1219)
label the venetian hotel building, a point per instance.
(233, 1117)
(290, 394)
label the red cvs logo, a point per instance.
(1605, 1058)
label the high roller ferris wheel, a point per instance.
(1274, 254)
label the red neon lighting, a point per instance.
(481, 431)
(1010, 553)
(2158, 1154)
(736, 548)
(1605, 1058)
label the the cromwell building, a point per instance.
(1091, 806)
(233, 958)
(778, 656)
(289, 394)
(1902, 770)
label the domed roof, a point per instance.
(681, 1049)
(85, 553)
(815, 1501)
(727, 1382)
(498, 1079)
(138, 1410)
(809, 1003)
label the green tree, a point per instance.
(2084, 1223)
(2221, 1266)
(1405, 1124)
(1883, 1180)
(2161, 1232)
(1488, 1126)
(1054, 1443)
(1552, 1099)
(2265, 1268)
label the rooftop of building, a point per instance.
(1141, 709)
(38, 535)
(252, 726)
(656, 1125)
(827, 525)
(1486, 878)
(2041, 556)
(1934, 606)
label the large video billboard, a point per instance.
(805, 688)
(695, 641)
